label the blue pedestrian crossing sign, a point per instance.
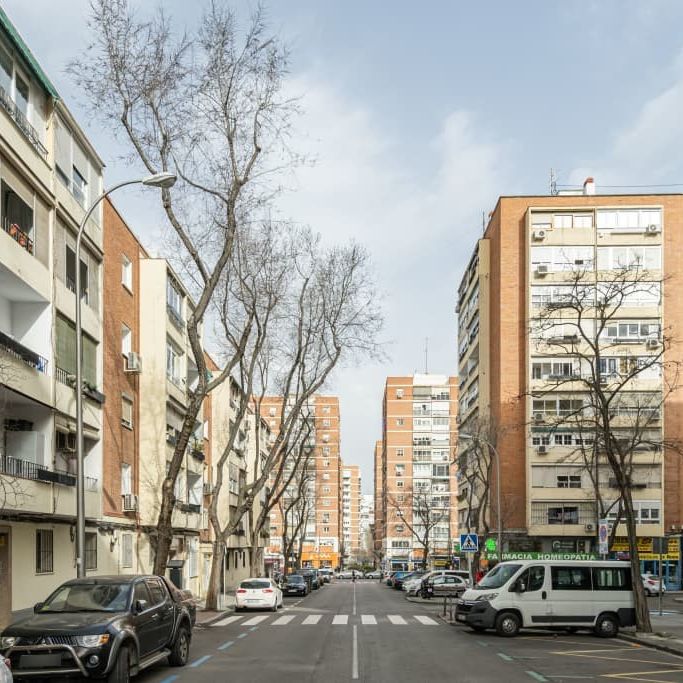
(469, 543)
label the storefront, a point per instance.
(649, 562)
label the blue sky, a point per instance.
(420, 115)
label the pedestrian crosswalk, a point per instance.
(300, 619)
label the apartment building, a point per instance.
(48, 174)
(365, 526)
(418, 482)
(520, 346)
(351, 497)
(378, 530)
(318, 538)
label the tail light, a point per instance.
(652, 582)
(241, 590)
(267, 590)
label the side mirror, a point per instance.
(521, 587)
(38, 606)
(140, 606)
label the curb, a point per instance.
(214, 619)
(645, 642)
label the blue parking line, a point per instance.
(537, 676)
(200, 661)
(225, 646)
(502, 655)
(242, 635)
(170, 679)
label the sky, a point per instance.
(419, 116)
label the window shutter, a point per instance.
(66, 345)
(62, 148)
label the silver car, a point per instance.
(5, 673)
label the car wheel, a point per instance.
(180, 652)
(274, 607)
(121, 671)
(606, 626)
(238, 609)
(508, 624)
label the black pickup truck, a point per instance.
(103, 627)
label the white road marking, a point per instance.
(427, 621)
(354, 663)
(396, 619)
(255, 620)
(282, 621)
(368, 619)
(225, 622)
(354, 599)
(312, 619)
(340, 620)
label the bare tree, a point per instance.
(421, 512)
(209, 107)
(602, 399)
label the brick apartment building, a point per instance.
(320, 544)
(508, 363)
(418, 436)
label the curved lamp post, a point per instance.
(161, 180)
(475, 438)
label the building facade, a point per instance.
(366, 527)
(351, 497)
(537, 258)
(315, 522)
(417, 495)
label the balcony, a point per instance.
(188, 507)
(21, 352)
(18, 235)
(22, 123)
(197, 451)
(175, 317)
(24, 469)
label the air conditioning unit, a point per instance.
(130, 502)
(653, 229)
(66, 442)
(542, 450)
(541, 269)
(652, 344)
(207, 488)
(603, 380)
(539, 417)
(539, 235)
(589, 527)
(133, 363)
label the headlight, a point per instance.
(93, 641)
(487, 597)
(8, 641)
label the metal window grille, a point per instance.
(44, 552)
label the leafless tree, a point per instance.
(207, 105)
(600, 393)
(421, 512)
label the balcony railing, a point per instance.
(175, 317)
(188, 507)
(31, 358)
(19, 235)
(22, 122)
(24, 469)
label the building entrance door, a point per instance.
(5, 578)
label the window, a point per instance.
(399, 393)
(17, 218)
(174, 300)
(399, 484)
(71, 274)
(571, 578)
(563, 439)
(326, 423)
(126, 411)
(400, 528)
(66, 358)
(399, 452)
(628, 220)
(399, 422)
(126, 550)
(156, 591)
(400, 470)
(5, 72)
(612, 578)
(44, 552)
(632, 330)
(126, 479)
(79, 186)
(173, 362)
(540, 440)
(140, 592)
(193, 557)
(21, 95)
(126, 272)
(326, 530)
(91, 550)
(621, 258)
(326, 450)
(567, 514)
(126, 340)
(326, 410)
(554, 370)
(568, 481)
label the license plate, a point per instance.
(253, 601)
(40, 661)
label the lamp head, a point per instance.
(163, 180)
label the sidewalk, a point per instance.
(667, 631)
(205, 617)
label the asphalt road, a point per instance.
(368, 632)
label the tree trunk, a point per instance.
(643, 623)
(215, 578)
(256, 567)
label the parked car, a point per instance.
(651, 584)
(5, 673)
(346, 574)
(597, 595)
(412, 586)
(258, 593)
(312, 576)
(398, 580)
(444, 586)
(295, 584)
(326, 574)
(377, 574)
(395, 575)
(100, 627)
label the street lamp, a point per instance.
(161, 180)
(475, 438)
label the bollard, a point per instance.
(445, 600)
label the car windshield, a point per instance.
(499, 576)
(295, 579)
(255, 584)
(88, 597)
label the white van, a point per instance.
(551, 594)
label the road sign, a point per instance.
(603, 537)
(469, 543)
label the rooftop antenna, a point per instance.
(553, 182)
(426, 355)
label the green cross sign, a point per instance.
(491, 545)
